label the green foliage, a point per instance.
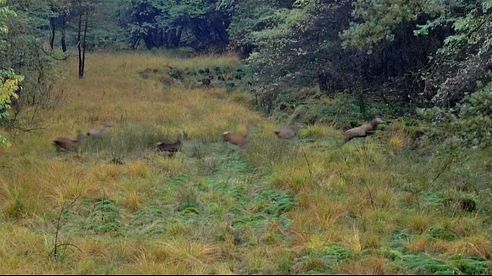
(326, 259)
(463, 62)
(377, 20)
(470, 265)
(474, 124)
(420, 263)
(293, 44)
(5, 13)
(170, 23)
(275, 203)
(104, 217)
(9, 81)
(106, 31)
(470, 29)
(150, 221)
(416, 50)
(425, 264)
(187, 200)
(23, 52)
(468, 125)
(9, 85)
(249, 17)
(442, 234)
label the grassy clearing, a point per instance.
(307, 206)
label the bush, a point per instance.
(9, 84)
(474, 124)
(469, 125)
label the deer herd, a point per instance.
(170, 149)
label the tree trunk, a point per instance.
(84, 44)
(53, 32)
(179, 34)
(64, 33)
(323, 82)
(79, 45)
(136, 43)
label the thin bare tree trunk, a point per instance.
(53, 32)
(63, 33)
(79, 46)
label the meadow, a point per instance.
(313, 205)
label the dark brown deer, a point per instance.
(69, 145)
(173, 148)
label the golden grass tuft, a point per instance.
(243, 98)
(420, 223)
(133, 201)
(397, 142)
(474, 246)
(138, 169)
(325, 213)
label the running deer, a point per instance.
(100, 133)
(235, 139)
(363, 130)
(288, 133)
(69, 145)
(170, 149)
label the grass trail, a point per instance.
(309, 206)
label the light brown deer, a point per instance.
(288, 133)
(363, 130)
(235, 139)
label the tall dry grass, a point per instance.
(314, 205)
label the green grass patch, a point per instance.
(324, 260)
(427, 264)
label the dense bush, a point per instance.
(465, 128)
(9, 81)
(475, 119)
(200, 24)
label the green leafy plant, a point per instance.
(9, 81)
